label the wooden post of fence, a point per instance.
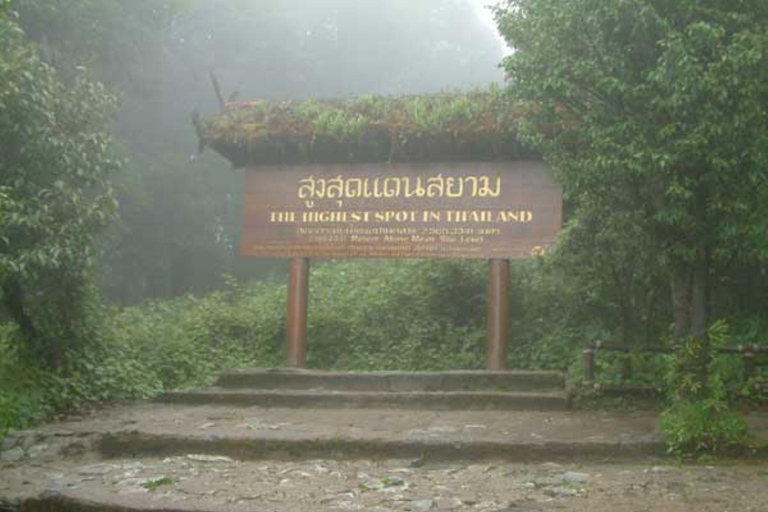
(748, 359)
(588, 364)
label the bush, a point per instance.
(363, 315)
(701, 426)
(405, 315)
(699, 419)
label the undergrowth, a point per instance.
(363, 315)
(700, 419)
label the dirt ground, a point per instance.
(62, 459)
(207, 483)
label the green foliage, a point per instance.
(55, 194)
(409, 315)
(477, 125)
(699, 419)
(653, 116)
(153, 485)
(701, 427)
(692, 357)
(117, 39)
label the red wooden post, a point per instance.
(296, 329)
(496, 349)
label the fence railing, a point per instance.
(748, 355)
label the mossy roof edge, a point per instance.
(450, 126)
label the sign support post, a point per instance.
(498, 284)
(495, 211)
(296, 329)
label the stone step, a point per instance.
(153, 458)
(250, 433)
(429, 448)
(162, 458)
(469, 380)
(323, 399)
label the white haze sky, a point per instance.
(481, 7)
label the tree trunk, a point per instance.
(49, 354)
(690, 286)
(680, 284)
(13, 300)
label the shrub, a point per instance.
(699, 419)
(701, 426)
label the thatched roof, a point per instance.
(469, 126)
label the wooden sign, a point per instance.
(492, 210)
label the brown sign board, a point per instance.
(490, 210)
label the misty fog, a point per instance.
(180, 210)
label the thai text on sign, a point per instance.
(458, 210)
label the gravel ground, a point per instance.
(63, 459)
(211, 483)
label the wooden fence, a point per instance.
(748, 355)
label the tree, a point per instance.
(55, 194)
(118, 40)
(654, 111)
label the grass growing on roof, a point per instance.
(473, 125)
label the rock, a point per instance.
(133, 482)
(31, 438)
(209, 458)
(372, 485)
(37, 451)
(417, 463)
(14, 455)
(575, 477)
(10, 503)
(486, 505)
(256, 425)
(95, 469)
(9, 443)
(73, 450)
(393, 481)
(62, 433)
(560, 492)
(420, 505)
(448, 504)
(442, 429)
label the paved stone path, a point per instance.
(213, 458)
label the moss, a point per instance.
(476, 125)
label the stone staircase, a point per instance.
(294, 440)
(452, 390)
